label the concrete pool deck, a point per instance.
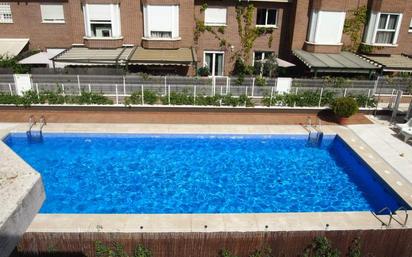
(21, 196)
(157, 223)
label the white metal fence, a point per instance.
(118, 87)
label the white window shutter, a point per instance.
(52, 12)
(169, 21)
(215, 16)
(115, 18)
(99, 12)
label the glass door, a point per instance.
(214, 62)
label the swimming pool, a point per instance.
(130, 173)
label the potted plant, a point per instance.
(344, 107)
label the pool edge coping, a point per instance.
(253, 222)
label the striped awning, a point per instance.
(180, 56)
(92, 56)
(392, 63)
(12, 46)
(339, 62)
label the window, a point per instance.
(387, 25)
(259, 61)
(52, 13)
(165, 28)
(102, 20)
(410, 26)
(5, 13)
(266, 17)
(383, 28)
(326, 28)
(214, 62)
(261, 56)
(215, 16)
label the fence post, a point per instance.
(227, 84)
(271, 97)
(166, 86)
(221, 90)
(142, 95)
(78, 84)
(117, 95)
(344, 92)
(214, 86)
(63, 91)
(168, 97)
(369, 95)
(37, 89)
(320, 98)
(253, 86)
(90, 89)
(11, 90)
(246, 91)
(296, 93)
(194, 94)
(124, 85)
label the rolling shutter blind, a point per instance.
(99, 12)
(52, 12)
(215, 15)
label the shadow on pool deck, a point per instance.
(175, 116)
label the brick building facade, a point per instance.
(311, 26)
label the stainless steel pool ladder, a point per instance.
(309, 125)
(42, 122)
(376, 214)
(392, 216)
(32, 122)
(405, 220)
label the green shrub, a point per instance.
(208, 100)
(364, 101)
(321, 247)
(177, 98)
(260, 81)
(6, 98)
(301, 99)
(117, 250)
(149, 97)
(345, 106)
(203, 71)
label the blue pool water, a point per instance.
(107, 173)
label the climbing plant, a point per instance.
(248, 33)
(353, 27)
(201, 27)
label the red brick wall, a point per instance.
(405, 37)
(27, 23)
(207, 41)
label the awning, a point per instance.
(339, 62)
(392, 63)
(283, 63)
(12, 46)
(92, 56)
(181, 56)
(42, 57)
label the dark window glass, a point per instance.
(261, 17)
(271, 17)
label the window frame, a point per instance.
(52, 21)
(395, 31)
(410, 26)
(215, 24)
(266, 25)
(147, 28)
(114, 22)
(2, 19)
(213, 70)
(262, 61)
